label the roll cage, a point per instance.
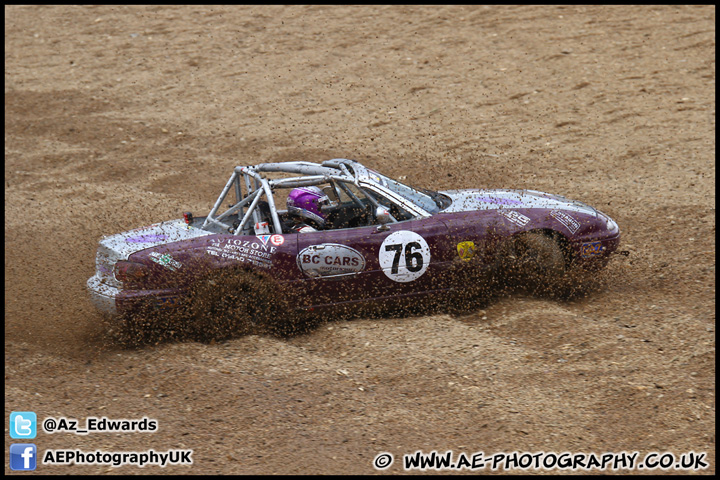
(254, 191)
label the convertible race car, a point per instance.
(310, 236)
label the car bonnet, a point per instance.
(486, 199)
(125, 244)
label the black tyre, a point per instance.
(533, 261)
(148, 324)
(234, 302)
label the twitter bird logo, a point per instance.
(23, 425)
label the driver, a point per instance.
(304, 206)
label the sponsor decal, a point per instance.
(570, 223)
(165, 302)
(515, 217)
(591, 249)
(165, 260)
(256, 253)
(330, 259)
(277, 240)
(150, 238)
(104, 269)
(404, 256)
(466, 250)
(500, 201)
(262, 228)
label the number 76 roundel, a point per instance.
(404, 256)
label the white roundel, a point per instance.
(404, 256)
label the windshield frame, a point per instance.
(428, 200)
(379, 189)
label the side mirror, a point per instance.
(382, 215)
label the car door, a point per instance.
(374, 262)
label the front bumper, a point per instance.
(102, 295)
(114, 301)
(594, 254)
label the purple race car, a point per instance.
(338, 234)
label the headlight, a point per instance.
(611, 225)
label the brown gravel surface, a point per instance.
(118, 117)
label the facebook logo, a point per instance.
(23, 456)
(23, 425)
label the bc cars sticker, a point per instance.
(466, 250)
(570, 223)
(404, 256)
(591, 249)
(330, 259)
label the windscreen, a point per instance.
(417, 197)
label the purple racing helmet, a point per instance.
(306, 202)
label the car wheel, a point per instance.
(149, 323)
(233, 302)
(533, 261)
